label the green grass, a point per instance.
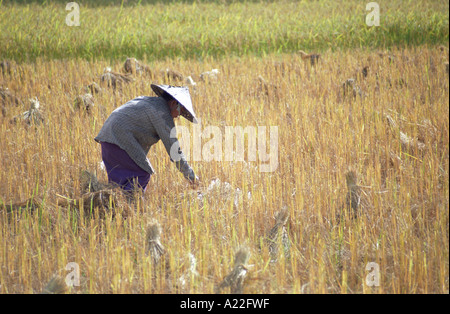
(195, 30)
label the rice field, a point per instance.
(358, 202)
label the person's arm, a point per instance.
(167, 133)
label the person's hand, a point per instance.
(192, 178)
(195, 182)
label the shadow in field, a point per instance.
(102, 3)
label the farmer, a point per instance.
(131, 129)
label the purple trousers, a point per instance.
(122, 170)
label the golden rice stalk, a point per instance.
(279, 233)
(154, 246)
(281, 67)
(235, 279)
(56, 285)
(390, 57)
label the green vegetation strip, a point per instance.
(211, 29)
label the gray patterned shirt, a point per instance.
(138, 125)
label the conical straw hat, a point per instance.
(181, 94)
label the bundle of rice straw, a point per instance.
(154, 246)
(235, 279)
(56, 285)
(279, 233)
(113, 79)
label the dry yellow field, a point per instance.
(391, 128)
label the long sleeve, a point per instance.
(138, 125)
(166, 130)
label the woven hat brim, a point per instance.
(186, 113)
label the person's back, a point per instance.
(128, 134)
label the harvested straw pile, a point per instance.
(172, 75)
(101, 202)
(209, 75)
(153, 237)
(235, 279)
(133, 66)
(84, 102)
(30, 205)
(97, 198)
(350, 87)
(89, 183)
(190, 81)
(387, 55)
(410, 144)
(278, 234)
(355, 199)
(7, 67)
(365, 71)
(218, 190)
(361, 73)
(56, 285)
(222, 191)
(114, 80)
(267, 88)
(33, 116)
(7, 98)
(312, 57)
(93, 88)
(189, 272)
